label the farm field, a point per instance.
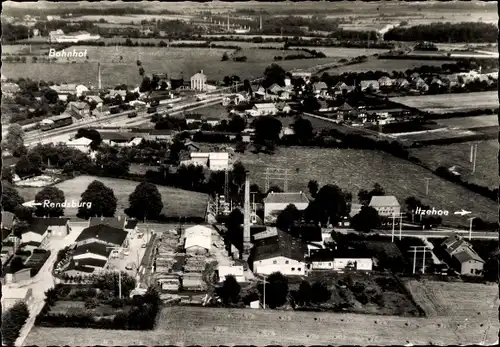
(176, 202)
(457, 299)
(218, 326)
(449, 103)
(243, 44)
(172, 61)
(428, 135)
(470, 122)
(214, 111)
(353, 170)
(388, 65)
(458, 154)
(341, 52)
(266, 55)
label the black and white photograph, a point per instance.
(250, 173)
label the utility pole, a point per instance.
(427, 185)
(470, 227)
(473, 156)
(400, 216)
(415, 250)
(264, 304)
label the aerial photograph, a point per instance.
(250, 173)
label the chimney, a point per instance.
(119, 218)
(246, 220)
(99, 75)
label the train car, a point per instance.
(132, 115)
(56, 122)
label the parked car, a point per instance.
(129, 266)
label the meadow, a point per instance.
(353, 170)
(440, 104)
(458, 154)
(176, 202)
(173, 61)
(344, 52)
(218, 326)
(388, 65)
(470, 122)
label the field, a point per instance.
(215, 326)
(341, 52)
(471, 301)
(266, 55)
(440, 104)
(176, 202)
(388, 65)
(470, 122)
(429, 135)
(353, 170)
(186, 61)
(214, 111)
(459, 154)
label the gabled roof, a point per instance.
(198, 235)
(40, 225)
(345, 107)
(7, 220)
(385, 200)
(319, 86)
(75, 267)
(112, 136)
(82, 141)
(467, 255)
(286, 198)
(104, 233)
(113, 222)
(91, 262)
(131, 224)
(79, 104)
(265, 105)
(284, 245)
(321, 255)
(93, 247)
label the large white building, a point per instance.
(233, 270)
(264, 109)
(274, 203)
(59, 36)
(199, 81)
(339, 260)
(386, 205)
(216, 161)
(198, 240)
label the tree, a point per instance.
(51, 96)
(224, 57)
(24, 213)
(12, 322)
(364, 197)
(53, 195)
(230, 291)
(102, 201)
(377, 190)
(10, 198)
(311, 104)
(320, 292)
(303, 130)
(276, 290)
(267, 129)
(305, 293)
(274, 74)
(237, 124)
(247, 87)
(145, 202)
(329, 206)
(7, 174)
(16, 264)
(288, 217)
(25, 168)
(313, 187)
(14, 138)
(366, 220)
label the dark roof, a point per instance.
(80, 268)
(321, 255)
(104, 233)
(30, 243)
(131, 224)
(5, 233)
(351, 253)
(467, 255)
(283, 245)
(112, 136)
(7, 220)
(163, 132)
(91, 262)
(113, 222)
(309, 233)
(287, 198)
(93, 247)
(40, 225)
(345, 107)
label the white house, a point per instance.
(93, 250)
(283, 253)
(82, 144)
(64, 90)
(215, 161)
(198, 240)
(274, 203)
(40, 229)
(199, 81)
(386, 205)
(264, 109)
(339, 260)
(370, 84)
(354, 263)
(234, 270)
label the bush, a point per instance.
(91, 303)
(12, 322)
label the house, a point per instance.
(64, 90)
(194, 118)
(103, 234)
(283, 253)
(420, 84)
(274, 203)
(283, 107)
(340, 87)
(233, 100)
(437, 81)
(41, 228)
(82, 144)
(414, 76)
(268, 232)
(402, 83)
(92, 250)
(7, 221)
(386, 205)
(233, 270)
(355, 209)
(275, 89)
(79, 109)
(198, 240)
(199, 81)
(10, 296)
(351, 259)
(212, 121)
(161, 135)
(168, 282)
(114, 93)
(320, 259)
(192, 281)
(346, 112)
(10, 89)
(306, 76)
(324, 106)
(468, 262)
(372, 85)
(319, 88)
(214, 161)
(263, 109)
(115, 138)
(385, 81)
(286, 131)
(95, 99)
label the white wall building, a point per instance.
(234, 270)
(199, 81)
(287, 266)
(386, 205)
(82, 144)
(264, 109)
(198, 240)
(215, 161)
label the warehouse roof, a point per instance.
(93, 247)
(198, 235)
(104, 233)
(467, 255)
(284, 245)
(114, 222)
(40, 225)
(286, 198)
(385, 200)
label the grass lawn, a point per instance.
(388, 65)
(353, 170)
(218, 326)
(473, 301)
(344, 52)
(449, 103)
(470, 122)
(155, 60)
(458, 154)
(267, 55)
(214, 111)
(176, 202)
